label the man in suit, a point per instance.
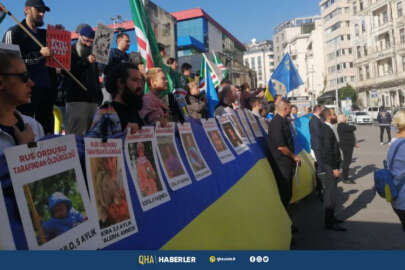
(315, 126)
(329, 169)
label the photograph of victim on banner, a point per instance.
(6, 236)
(245, 124)
(237, 124)
(140, 153)
(59, 41)
(109, 191)
(194, 157)
(217, 141)
(169, 157)
(253, 123)
(232, 135)
(52, 197)
(102, 43)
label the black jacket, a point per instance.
(346, 135)
(329, 151)
(384, 118)
(315, 125)
(88, 74)
(30, 52)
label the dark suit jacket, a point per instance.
(329, 151)
(315, 125)
(346, 135)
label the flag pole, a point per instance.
(41, 46)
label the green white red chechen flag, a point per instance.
(221, 66)
(146, 40)
(216, 78)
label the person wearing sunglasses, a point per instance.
(15, 90)
(44, 92)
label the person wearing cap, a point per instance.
(81, 105)
(44, 92)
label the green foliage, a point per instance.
(65, 183)
(348, 92)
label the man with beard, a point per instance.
(126, 84)
(118, 55)
(81, 105)
(44, 91)
(329, 169)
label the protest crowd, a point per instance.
(126, 94)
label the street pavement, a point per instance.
(370, 220)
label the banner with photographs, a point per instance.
(109, 191)
(265, 125)
(59, 41)
(232, 135)
(6, 237)
(102, 43)
(245, 124)
(253, 123)
(169, 156)
(237, 124)
(140, 153)
(194, 157)
(217, 141)
(52, 196)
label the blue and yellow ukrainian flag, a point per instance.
(270, 92)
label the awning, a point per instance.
(330, 95)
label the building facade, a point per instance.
(380, 52)
(338, 45)
(198, 32)
(300, 37)
(259, 56)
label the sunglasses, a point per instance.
(24, 76)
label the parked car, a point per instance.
(361, 118)
(373, 112)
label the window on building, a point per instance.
(358, 52)
(350, 50)
(247, 62)
(399, 9)
(367, 72)
(252, 63)
(361, 74)
(259, 62)
(348, 37)
(402, 36)
(403, 63)
(351, 64)
(361, 4)
(365, 50)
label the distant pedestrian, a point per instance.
(398, 165)
(347, 142)
(384, 121)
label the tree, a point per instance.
(348, 92)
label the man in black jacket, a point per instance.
(347, 142)
(384, 120)
(81, 105)
(315, 126)
(44, 92)
(329, 169)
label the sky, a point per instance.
(245, 19)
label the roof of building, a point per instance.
(198, 13)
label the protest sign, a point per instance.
(52, 196)
(6, 236)
(102, 43)
(140, 152)
(245, 124)
(238, 126)
(253, 123)
(265, 125)
(172, 165)
(59, 42)
(195, 159)
(232, 135)
(217, 141)
(10, 48)
(109, 191)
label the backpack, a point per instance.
(384, 179)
